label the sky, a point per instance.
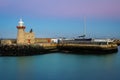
(61, 18)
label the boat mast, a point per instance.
(84, 32)
(84, 26)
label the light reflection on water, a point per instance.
(58, 66)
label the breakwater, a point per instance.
(26, 50)
(88, 48)
(117, 41)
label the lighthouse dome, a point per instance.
(21, 23)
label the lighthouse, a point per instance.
(24, 38)
(21, 32)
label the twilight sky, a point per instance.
(55, 18)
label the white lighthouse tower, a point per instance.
(21, 32)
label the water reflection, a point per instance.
(24, 67)
(59, 66)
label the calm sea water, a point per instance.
(57, 66)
